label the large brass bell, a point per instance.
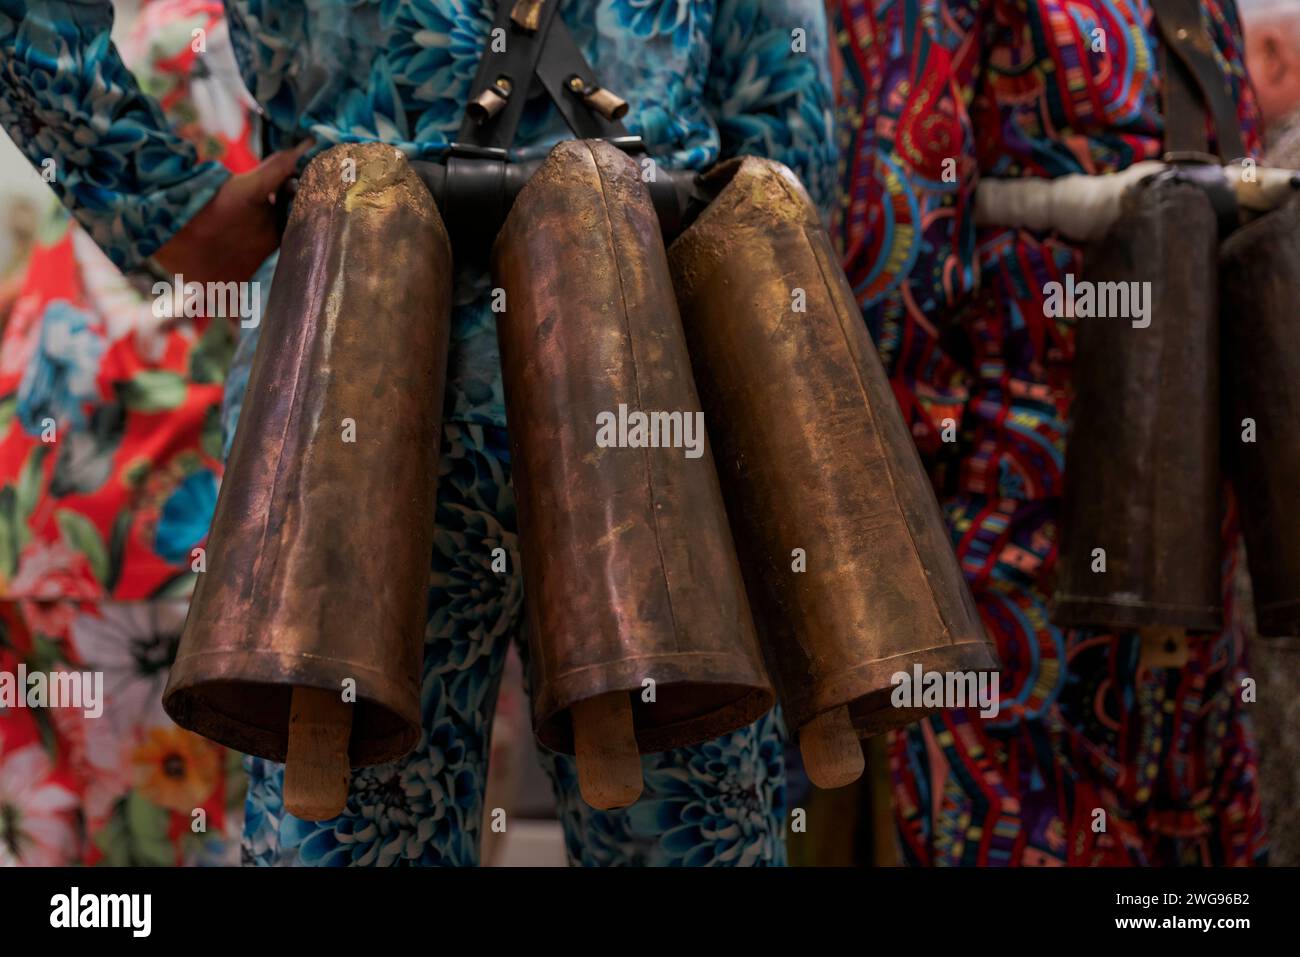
(638, 624)
(1140, 520)
(304, 637)
(848, 563)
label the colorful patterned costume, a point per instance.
(705, 79)
(934, 95)
(110, 445)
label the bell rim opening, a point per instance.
(380, 734)
(867, 690)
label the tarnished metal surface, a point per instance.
(1143, 454)
(815, 459)
(318, 558)
(1259, 270)
(629, 567)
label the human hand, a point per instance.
(236, 231)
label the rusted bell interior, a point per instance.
(318, 557)
(630, 572)
(816, 465)
(1143, 493)
(1259, 286)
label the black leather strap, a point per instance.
(1185, 133)
(516, 62)
(550, 53)
(478, 181)
(1194, 84)
(561, 59)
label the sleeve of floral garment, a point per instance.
(769, 88)
(66, 97)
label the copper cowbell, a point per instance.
(1259, 288)
(849, 567)
(1140, 518)
(318, 557)
(638, 623)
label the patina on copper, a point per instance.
(1143, 454)
(318, 558)
(815, 459)
(630, 572)
(1259, 276)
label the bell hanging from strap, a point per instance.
(318, 558)
(639, 628)
(848, 564)
(1140, 520)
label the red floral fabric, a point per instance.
(109, 416)
(110, 445)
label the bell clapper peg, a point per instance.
(609, 763)
(832, 753)
(1163, 646)
(316, 770)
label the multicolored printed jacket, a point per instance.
(705, 79)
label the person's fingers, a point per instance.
(231, 236)
(267, 176)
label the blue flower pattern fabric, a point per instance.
(60, 381)
(182, 524)
(129, 178)
(719, 804)
(706, 79)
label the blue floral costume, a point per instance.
(705, 79)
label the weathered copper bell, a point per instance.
(849, 567)
(318, 558)
(1259, 288)
(1140, 520)
(630, 572)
